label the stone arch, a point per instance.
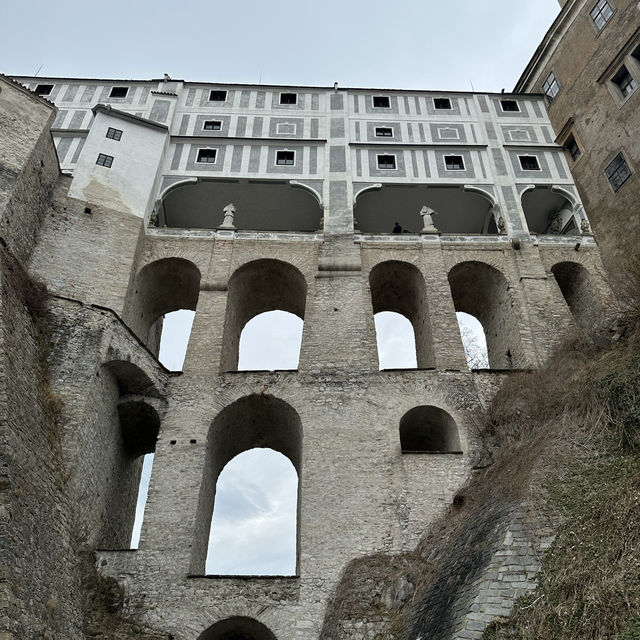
(549, 210)
(579, 291)
(399, 287)
(237, 628)
(258, 420)
(127, 412)
(255, 287)
(482, 291)
(429, 429)
(162, 286)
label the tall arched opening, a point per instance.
(160, 287)
(255, 288)
(399, 287)
(549, 212)
(429, 429)
(579, 291)
(255, 421)
(237, 628)
(483, 292)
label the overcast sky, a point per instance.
(418, 44)
(453, 45)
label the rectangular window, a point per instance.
(217, 95)
(454, 163)
(207, 156)
(386, 162)
(44, 89)
(529, 163)
(442, 103)
(212, 125)
(104, 160)
(624, 81)
(384, 132)
(617, 172)
(509, 105)
(381, 102)
(119, 92)
(285, 158)
(551, 88)
(114, 134)
(572, 147)
(601, 14)
(288, 98)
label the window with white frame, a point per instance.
(217, 95)
(381, 102)
(625, 82)
(288, 98)
(104, 160)
(207, 156)
(386, 161)
(384, 132)
(212, 125)
(509, 105)
(44, 89)
(601, 14)
(529, 163)
(119, 92)
(550, 87)
(285, 158)
(442, 103)
(617, 172)
(454, 163)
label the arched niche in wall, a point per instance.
(399, 287)
(248, 423)
(160, 287)
(549, 212)
(483, 292)
(460, 211)
(579, 291)
(429, 429)
(237, 628)
(127, 427)
(254, 288)
(260, 205)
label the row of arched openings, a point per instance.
(247, 516)
(266, 302)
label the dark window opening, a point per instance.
(212, 125)
(454, 163)
(44, 89)
(104, 160)
(529, 163)
(381, 102)
(384, 132)
(119, 92)
(386, 162)
(288, 98)
(572, 147)
(207, 155)
(551, 88)
(216, 95)
(617, 172)
(114, 134)
(624, 81)
(429, 429)
(285, 158)
(509, 105)
(601, 14)
(636, 53)
(442, 103)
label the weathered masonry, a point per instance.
(233, 200)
